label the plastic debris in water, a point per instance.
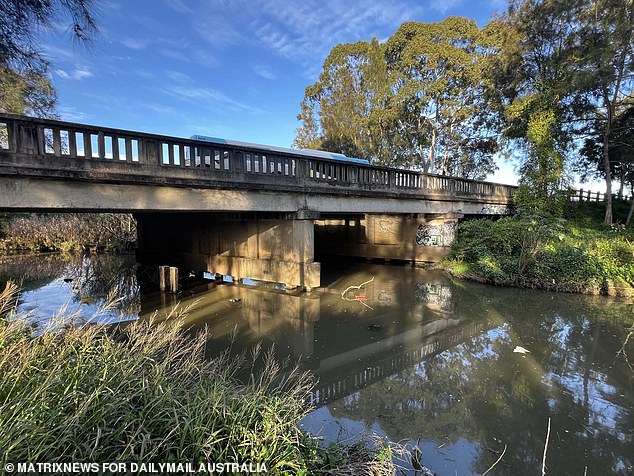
(521, 350)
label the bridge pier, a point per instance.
(266, 247)
(408, 237)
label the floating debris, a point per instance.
(235, 300)
(359, 298)
(521, 350)
(375, 327)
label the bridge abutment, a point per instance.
(409, 237)
(265, 247)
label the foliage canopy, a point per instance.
(25, 86)
(418, 100)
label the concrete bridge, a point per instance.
(237, 209)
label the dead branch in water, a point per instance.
(622, 349)
(498, 460)
(343, 293)
(545, 449)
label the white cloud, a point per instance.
(109, 5)
(183, 87)
(55, 53)
(217, 31)
(174, 54)
(444, 6)
(212, 96)
(69, 113)
(135, 43)
(264, 71)
(302, 32)
(179, 6)
(80, 74)
(204, 58)
(188, 55)
(145, 74)
(77, 73)
(178, 76)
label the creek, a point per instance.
(413, 356)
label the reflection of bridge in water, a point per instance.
(434, 338)
(347, 345)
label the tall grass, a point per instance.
(69, 232)
(146, 393)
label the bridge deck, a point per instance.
(55, 164)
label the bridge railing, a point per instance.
(80, 144)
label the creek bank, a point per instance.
(572, 254)
(71, 232)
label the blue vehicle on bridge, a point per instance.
(313, 153)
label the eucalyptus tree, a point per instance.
(421, 100)
(25, 86)
(443, 97)
(565, 70)
(347, 110)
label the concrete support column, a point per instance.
(260, 247)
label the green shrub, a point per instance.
(538, 250)
(566, 264)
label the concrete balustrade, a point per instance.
(55, 149)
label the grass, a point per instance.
(146, 393)
(65, 232)
(571, 254)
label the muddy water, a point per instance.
(412, 356)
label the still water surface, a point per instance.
(413, 356)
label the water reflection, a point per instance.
(419, 358)
(55, 285)
(472, 396)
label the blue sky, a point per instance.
(227, 68)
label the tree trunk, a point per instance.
(631, 212)
(622, 180)
(606, 159)
(432, 152)
(608, 179)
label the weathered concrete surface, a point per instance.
(54, 166)
(256, 247)
(28, 194)
(414, 237)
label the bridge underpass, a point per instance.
(246, 210)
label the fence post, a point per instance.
(168, 279)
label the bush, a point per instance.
(537, 250)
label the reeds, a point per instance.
(66, 232)
(146, 393)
